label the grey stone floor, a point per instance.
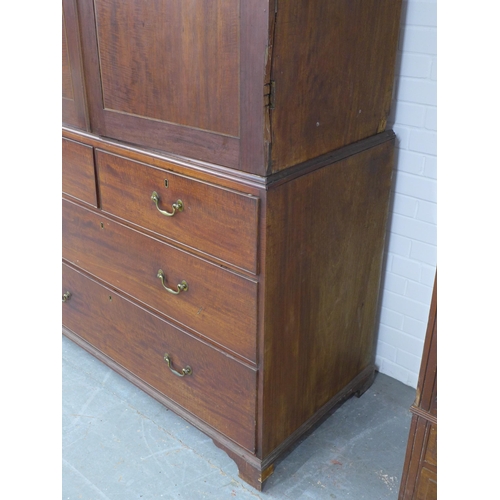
(120, 444)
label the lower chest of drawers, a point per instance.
(251, 311)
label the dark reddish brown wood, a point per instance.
(431, 450)
(413, 451)
(254, 41)
(194, 83)
(67, 84)
(325, 235)
(138, 341)
(90, 60)
(243, 456)
(322, 229)
(78, 173)
(250, 469)
(74, 112)
(243, 106)
(333, 64)
(356, 385)
(427, 487)
(255, 471)
(216, 221)
(419, 480)
(223, 176)
(184, 100)
(219, 305)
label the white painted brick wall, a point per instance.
(412, 233)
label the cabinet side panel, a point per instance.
(333, 66)
(324, 250)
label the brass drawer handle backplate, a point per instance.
(66, 296)
(181, 287)
(185, 371)
(176, 207)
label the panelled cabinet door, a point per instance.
(73, 91)
(179, 76)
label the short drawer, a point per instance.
(219, 390)
(218, 304)
(78, 173)
(214, 220)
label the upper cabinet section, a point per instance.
(333, 66)
(253, 85)
(74, 112)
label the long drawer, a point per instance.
(217, 389)
(219, 222)
(217, 303)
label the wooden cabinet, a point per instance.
(254, 85)
(225, 206)
(419, 481)
(112, 324)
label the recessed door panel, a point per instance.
(173, 61)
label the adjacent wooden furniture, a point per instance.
(226, 181)
(419, 481)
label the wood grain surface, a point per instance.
(78, 173)
(74, 105)
(333, 64)
(219, 305)
(220, 390)
(220, 222)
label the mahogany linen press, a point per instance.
(226, 183)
